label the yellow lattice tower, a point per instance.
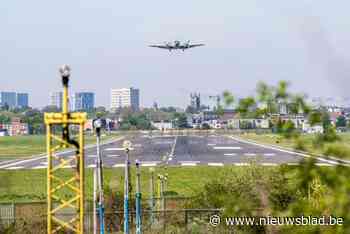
(65, 193)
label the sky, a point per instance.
(106, 44)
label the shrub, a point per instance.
(299, 145)
(337, 150)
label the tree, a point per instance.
(190, 109)
(341, 121)
(246, 107)
(180, 120)
(228, 98)
(265, 96)
(315, 117)
(298, 104)
(281, 91)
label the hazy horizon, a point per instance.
(106, 44)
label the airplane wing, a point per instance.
(162, 46)
(195, 45)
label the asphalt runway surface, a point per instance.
(172, 150)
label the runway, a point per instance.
(178, 150)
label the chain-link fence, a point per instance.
(32, 218)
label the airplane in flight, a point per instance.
(176, 46)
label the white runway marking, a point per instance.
(241, 164)
(292, 164)
(113, 155)
(39, 167)
(14, 168)
(284, 150)
(189, 163)
(114, 149)
(211, 144)
(163, 142)
(270, 154)
(324, 164)
(92, 156)
(68, 166)
(173, 148)
(119, 165)
(43, 163)
(226, 147)
(91, 166)
(250, 154)
(216, 164)
(22, 161)
(269, 164)
(149, 164)
(232, 154)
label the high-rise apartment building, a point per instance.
(56, 99)
(8, 99)
(125, 97)
(22, 100)
(84, 101)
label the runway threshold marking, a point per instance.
(119, 165)
(270, 154)
(226, 147)
(231, 154)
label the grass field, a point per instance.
(340, 149)
(25, 146)
(30, 185)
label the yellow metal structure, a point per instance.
(65, 194)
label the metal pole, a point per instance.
(95, 201)
(138, 199)
(126, 188)
(152, 195)
(100, 184)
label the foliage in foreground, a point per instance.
(281, 192)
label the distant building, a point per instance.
(56, 99)
(125, 97)
(195, 101)
(248, 123)
(9, 99)
(15, 128)
(84, 101)
(22, 100)
(163, 125)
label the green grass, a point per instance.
(307, 140)
(30, 185)
(12, 147)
